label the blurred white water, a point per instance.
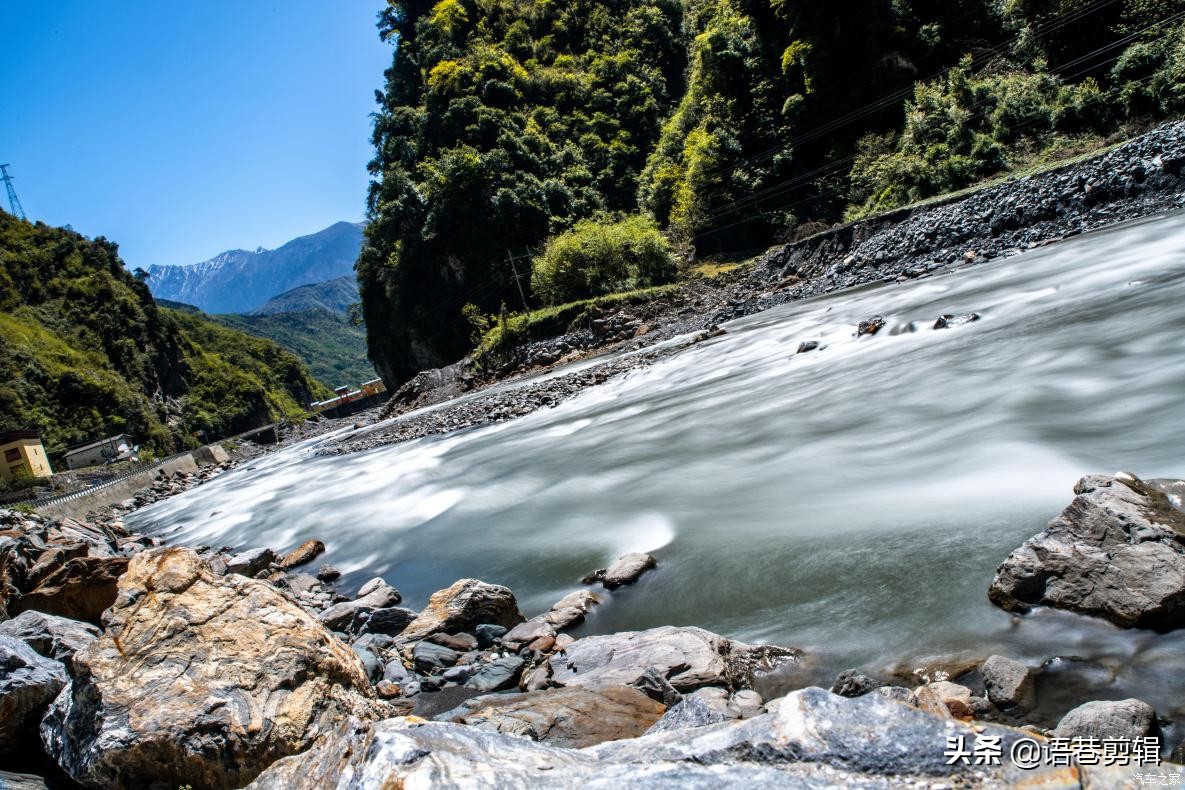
(854, 500)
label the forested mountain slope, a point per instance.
(730, 124)
(85, 350)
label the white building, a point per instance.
(114, 448)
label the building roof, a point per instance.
(91, 445)
(16, 436)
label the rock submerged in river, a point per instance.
(626, 569)
(870, 326)
(949, 321)
(200, 680)
(1115, 552)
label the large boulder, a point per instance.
(814, 739)
(200, 680)
(51, 636)
(462, 607)
(687, 657)
(1115, 552)
(28, 683)
(571, 717)
(1127, 719)
(81, 589)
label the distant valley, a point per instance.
(298, 295)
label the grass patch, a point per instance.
(548, 322)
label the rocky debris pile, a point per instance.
(65, 567)
(811, 739)
(200, 679)
(1117, 552)
(1139, 178)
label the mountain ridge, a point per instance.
(240, 281)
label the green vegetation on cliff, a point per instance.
(84, 350)
(732, 124)
(332, 347)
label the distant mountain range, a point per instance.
(239, 281)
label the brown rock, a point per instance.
(82, 589)
(461, 607)
(201, 680)
(567, 717)
(305, 552)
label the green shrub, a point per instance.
(595, 258)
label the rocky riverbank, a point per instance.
(127, 663)
(1137, 179)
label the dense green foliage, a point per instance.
(332, 347)
(504, 123)
(84, 350)
(595, 258)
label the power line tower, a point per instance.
(14, 203)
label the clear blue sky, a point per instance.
(182, 129)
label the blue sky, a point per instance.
(182, 129)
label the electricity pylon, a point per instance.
(14, 203)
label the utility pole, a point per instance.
(14, 204)
(518, 282)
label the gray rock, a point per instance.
(813, 740)
(488, 632)
(1128, 719)
(390, 620)
(430, 657)
(1008, 683)
(1115, 552)
(11, 781)
(378, 595)
(395, 672)
(370, 661)
(51, 636)
(749, 703)
(250, 562)
(852, 683)
(627, 569)
(654, 685)
(690, 711)
(499, 674)
(457, 674)
(28, 684)
(687, 657)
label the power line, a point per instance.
(14, 203)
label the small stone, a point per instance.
(497, 675)
(429, 657)
(807, 345)
(328, 573)
(852, 683)
(305, 552)
(249, 563)
(462, 642)
(1008, 683)
(870, 326)
(386, 689)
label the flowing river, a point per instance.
(853, 501)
